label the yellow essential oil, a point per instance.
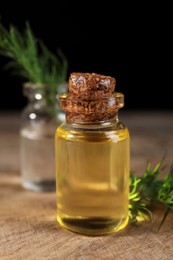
(92, 180)
(92, 165)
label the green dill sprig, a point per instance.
(150, 184)
(33, 61)
(30, 58)
(149, 189)
(165, 194)
(137, 206)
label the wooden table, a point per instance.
(28, 227)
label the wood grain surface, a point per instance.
(28, 227)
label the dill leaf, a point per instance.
(33, 61)
(149, 189)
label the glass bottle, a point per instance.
(37, 158)
(92, 165)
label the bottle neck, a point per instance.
(34, 93)
(90, 125)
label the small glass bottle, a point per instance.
(37, 132)
(92, 159)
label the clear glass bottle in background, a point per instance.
(37, 156)
(92, 165)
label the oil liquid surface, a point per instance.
(92, 180)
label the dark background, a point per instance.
(129, 41)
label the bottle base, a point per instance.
(39, 186)
(93, 226)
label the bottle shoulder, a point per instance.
(117, 131)
(42, 114)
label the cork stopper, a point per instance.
(91, 85)
(91, 98)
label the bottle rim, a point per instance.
(72, 104)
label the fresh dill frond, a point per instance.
(149, 189)
(165, 194)
(138, 207)
(33, 61)
(150, 184)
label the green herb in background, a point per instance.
(148, 190)
(31, 59)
